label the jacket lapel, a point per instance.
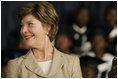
(57, 63)
(32, 65)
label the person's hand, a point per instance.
(113, 72)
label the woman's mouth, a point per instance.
(28, 37)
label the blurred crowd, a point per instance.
(95, 47)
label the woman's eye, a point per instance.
(29, 24)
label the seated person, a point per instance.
(63, 43)
(111, 22)
(110, 27)
(89, 66)
(79, 30)
(99, 50)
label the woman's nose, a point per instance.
(24, 29)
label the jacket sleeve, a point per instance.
(12, 69)
(76, 69)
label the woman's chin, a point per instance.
(29, 44)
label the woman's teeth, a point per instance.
(28, 36)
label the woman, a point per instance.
(39, 22)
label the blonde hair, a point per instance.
(44, 12)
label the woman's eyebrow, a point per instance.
(29, 21)
(26, 22)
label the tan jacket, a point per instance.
(63, 66)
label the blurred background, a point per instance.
(87, 29)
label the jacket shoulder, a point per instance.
(16, 60)
(69, 58)
(15, 63)
(13, 67)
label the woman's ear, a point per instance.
(47, 27)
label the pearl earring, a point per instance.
(47, 33)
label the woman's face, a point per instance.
(32, 31)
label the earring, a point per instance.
(47, 33)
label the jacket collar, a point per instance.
(81, 30)
(32, 65)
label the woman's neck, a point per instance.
(44, 52)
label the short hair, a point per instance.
(80, 8)
(44, 12)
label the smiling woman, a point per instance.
(39, 22)
(32, 31)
